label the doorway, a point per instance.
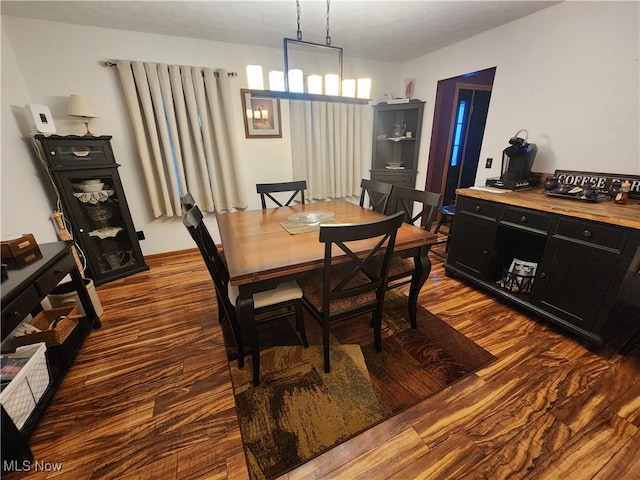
(470, 116)
(460, 114)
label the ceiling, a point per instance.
(393, 31)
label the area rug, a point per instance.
(298, 411)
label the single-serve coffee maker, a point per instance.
(517, 161)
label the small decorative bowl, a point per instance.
(311, 218)
(91, 187)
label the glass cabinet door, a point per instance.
(102, 222)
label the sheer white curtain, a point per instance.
(326, 144)
(183, 124)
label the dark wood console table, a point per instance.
(22, 293)
(587, 255)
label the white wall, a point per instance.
(45, 62)
(23, 198)
(569, 74)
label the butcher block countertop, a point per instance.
(605, 211)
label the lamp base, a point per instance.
(86, 124)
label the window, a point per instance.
(457, 137)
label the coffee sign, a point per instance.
(602, 181)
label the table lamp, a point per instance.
(81, 106)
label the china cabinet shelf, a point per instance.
(391, 145)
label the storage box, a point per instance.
(20, 397)
(18, 246)
(51, 336)
(20, 251)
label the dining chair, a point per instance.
(351, 284)
(377, 194)
(447, 213)
(401, 270)
(266, 189)
(282, 301)
(188, 203)
(406, 199)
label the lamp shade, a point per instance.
(81, 106)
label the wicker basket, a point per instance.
(51, 336)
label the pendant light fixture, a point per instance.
(321, 64)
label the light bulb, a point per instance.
(364, 88)
(254, 77)
(314, 84)
(296, 80)
(331, 84)
(349, 88)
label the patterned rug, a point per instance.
(299, 412)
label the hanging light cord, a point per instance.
(328, 39)
(299, 32)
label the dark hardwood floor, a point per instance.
(149, 396)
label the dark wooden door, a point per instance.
(471, 244)
(572, 281)
(443, 121)
(464, 150)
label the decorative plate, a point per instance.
(311, 218)
(94, 197)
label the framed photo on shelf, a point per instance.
(261, 116)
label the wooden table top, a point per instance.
(605, 211)
(257, 247)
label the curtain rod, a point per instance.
(109, 63)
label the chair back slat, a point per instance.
(405, 199)
(359, 274)
(375, 194)
(266, 189)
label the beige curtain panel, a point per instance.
(326, 144)
(183, 124)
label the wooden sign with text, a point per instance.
(602, 181)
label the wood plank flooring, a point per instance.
(149, 396)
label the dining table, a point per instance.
(260, 253)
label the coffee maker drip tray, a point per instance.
(512, 184)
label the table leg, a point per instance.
(420, 275)
(245, 308)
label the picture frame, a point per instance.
(261, 116)
(409, 86)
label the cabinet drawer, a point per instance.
(403, 179)
(78, 153)
(593, 233)
(15, 311)
(54, 275)
(478, 207)
(527, 219)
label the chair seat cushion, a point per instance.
(284, 292)
(312, 290)
(401, 267)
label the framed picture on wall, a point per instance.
(261, 116)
